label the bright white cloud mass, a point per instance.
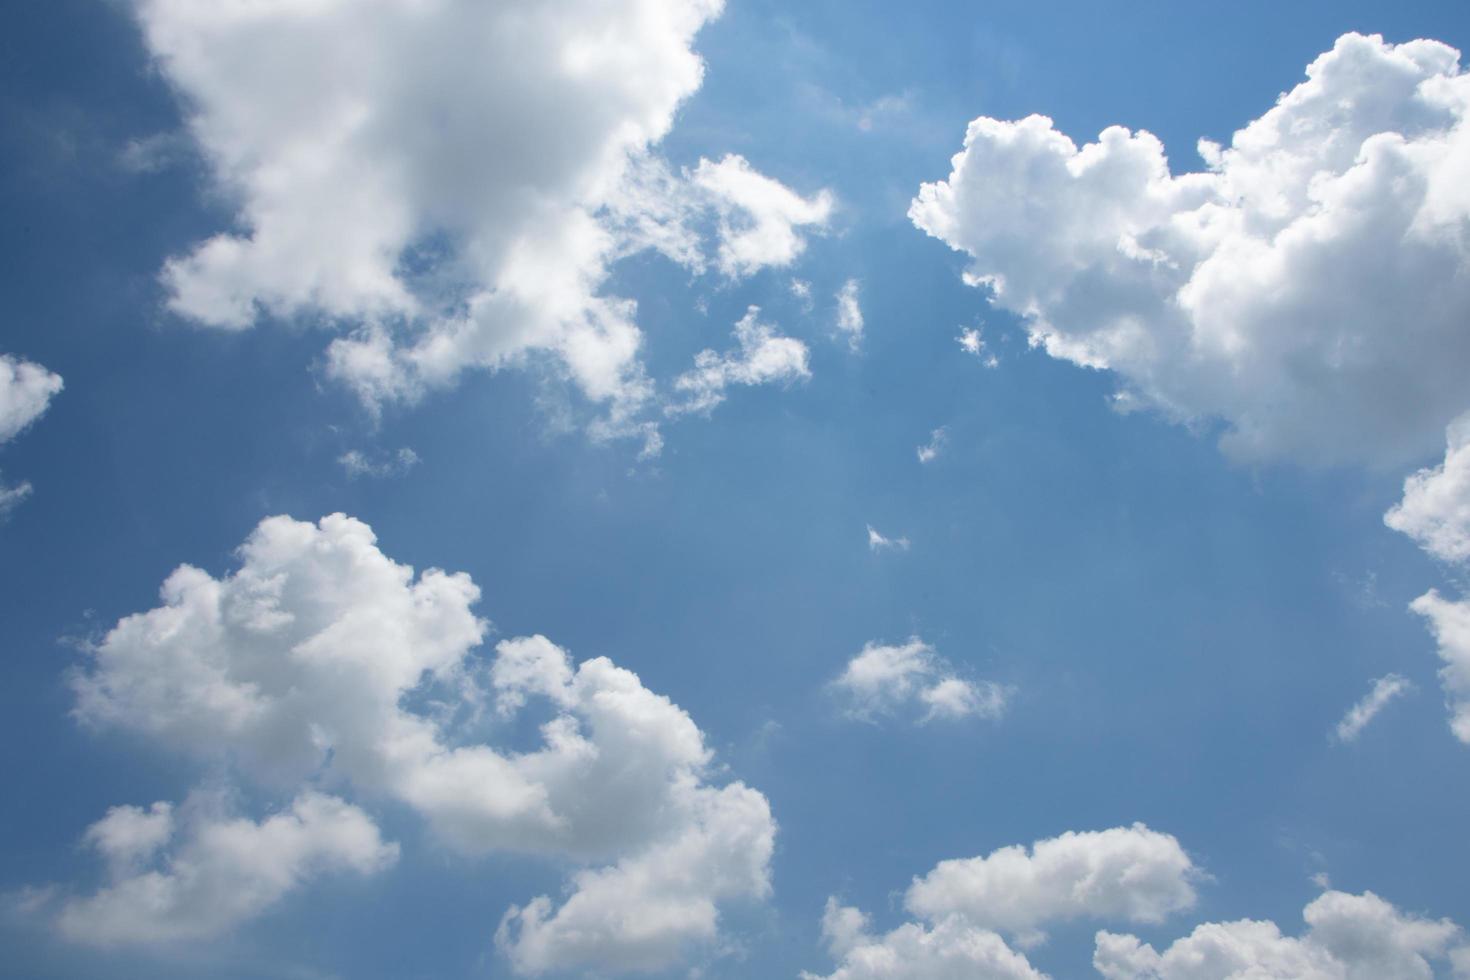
(1348, 937)
(1308, 288)
(450, 181)
(311, 659)
(968, 907)
(887, 680)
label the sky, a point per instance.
(719, 490)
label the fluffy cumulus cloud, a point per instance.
(966, 909)
(1449, 621)
(1435, 509)
(189, 876)
(889, 680)
(26, 390)
(449, 181)
(878, 541)
(949, 950)
(1385, 689)
(762, 356)
(759, 218)
(321, 657)
(1348, 937)
(1309, 288)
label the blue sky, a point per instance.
(1170, 619)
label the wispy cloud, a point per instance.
(1385, 689)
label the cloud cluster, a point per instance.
(1349, 937)
(883, 681)
(763, 357)
(966, 908)
(1309, 288)
(321, 658)
(26, 390)
(450, 182)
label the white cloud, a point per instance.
(758, 216)
(883, 681)
(949, 950)
(1435, 509)
(764, 357)
(172, 883)
(645, 911)
(802, 291)
(1449, 620)
(450, 182)
(26, 390)
(1131, 874)
(1349, 937)
(11, 496)
(360, 464)
(1309, 288)
(307, 662)
(850, 314)
(1385, 689)
(878, 542)
(1126, 873)
(938, 439)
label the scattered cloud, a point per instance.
(378, 465)
(1308, 288)
(300, 665)
(850, 314)
(878, 542)
(763, 357)
(1385, 689)
(802, 291)
(11, 497)
(194, 875)
(1435, 509)
(759, 217)
(26, 390)
(968, 907)
(1449, 621)
(1348, 937)
(883, 681)
(938, 439)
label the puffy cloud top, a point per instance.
(1132, 874)
(1310, 288)
(1349, 937)
(26, 390)
(308, 661)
